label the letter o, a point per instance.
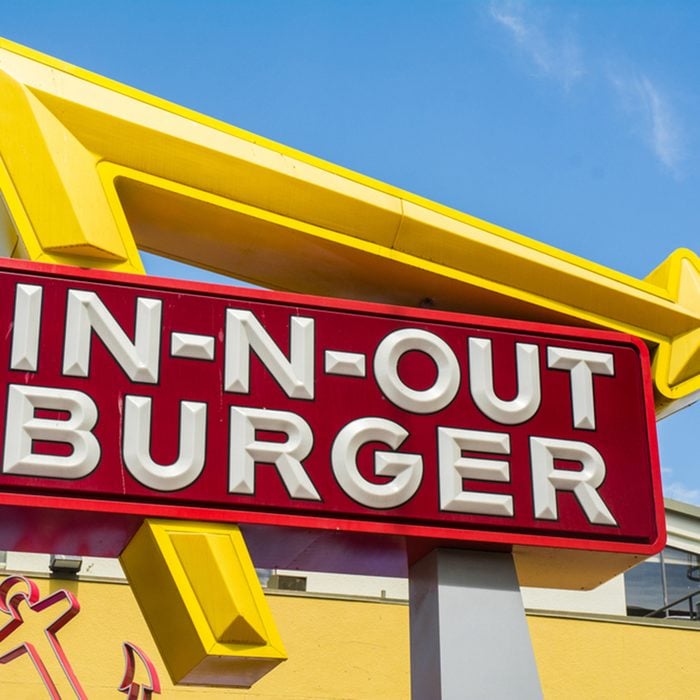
(386, 364)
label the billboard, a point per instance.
(128, 397)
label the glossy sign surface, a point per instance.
(137, 396)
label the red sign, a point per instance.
(134, 396)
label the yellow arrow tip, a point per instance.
(679, 274)
(677, 365)
(684, 360)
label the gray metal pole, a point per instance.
(469, 635)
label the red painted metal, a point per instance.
(98, 513)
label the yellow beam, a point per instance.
(200, 595)
(91, 169)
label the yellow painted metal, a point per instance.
(211, 565)
(91, 169)
(200, 595)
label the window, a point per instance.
(668, 581)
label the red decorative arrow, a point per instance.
(21, 604)
(128, 684)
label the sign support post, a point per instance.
(469, 635)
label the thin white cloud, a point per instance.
(679, 492)
(554, 53)
(544, 39)
(653, 117)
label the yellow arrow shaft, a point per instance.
(100, 168)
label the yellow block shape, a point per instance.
(201, 598)
(91, 171)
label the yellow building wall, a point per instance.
(357, 650)
(615, 661)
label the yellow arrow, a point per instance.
(90, 170)
(200, 595)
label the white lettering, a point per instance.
(547, 479)
(137, 445)
(454, 468)
(582, 365)
(25, 327)
(386, 363)
(246, 450)
(86, 313)
(406, 469)
(245, 333)
(528, 398)
(23, 428)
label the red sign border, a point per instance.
(429, 532)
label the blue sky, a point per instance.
(575, 123)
